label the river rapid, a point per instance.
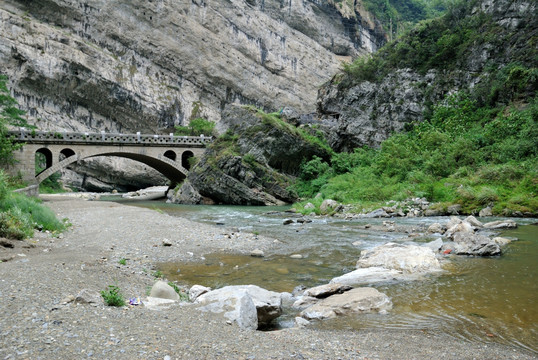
(477, 299)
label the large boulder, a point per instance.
(237, 306)
(406, 258)
(473, 244)
(371, 275)
(268, 304)
(162, 290)
(355, 301)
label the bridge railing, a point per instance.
(58, 137)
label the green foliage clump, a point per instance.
(113, 296)
(467, 154)
(183, 296)
(196, 127)
(20, 215)
(399, 15)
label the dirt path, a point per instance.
(35, 325)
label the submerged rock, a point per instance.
(501, 224)
(355, 301)
(370, 275)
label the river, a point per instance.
(478, 299)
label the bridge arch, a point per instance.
(170, 154)
(65, 153)
(46, 157)
(166, 166)
(185, 157)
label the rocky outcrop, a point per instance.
(251, 165)
(367, 111)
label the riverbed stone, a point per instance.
(196, 290)
(236, 305)
(436, 228)
(435, 245)
(304, 302)
(86, 296)
(268, 304)
(454, 209)
(378, 213)
(453, 221)
(501, 224)
(323, 291)
(370, 275)
(406, 258)
(501, 241)
(257, 253)
(327, 206)
(310, 206)
(473, 221)
(287, 222)
(355, 301)
(485, 212)
(462, 227)
(163, 291)
(154, 303)
(475, 244)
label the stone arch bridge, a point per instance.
(168, 154)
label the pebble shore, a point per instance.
(39, 274)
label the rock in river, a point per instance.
(355, 301)
(231, 300)
(407, 258)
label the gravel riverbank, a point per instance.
(35, 279)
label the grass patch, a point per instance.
(113, 296)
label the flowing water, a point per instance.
(479, 299)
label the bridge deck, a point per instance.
(63, 137)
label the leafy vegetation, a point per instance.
(467, 154)
(113, 296)
(183, 296)
(196, 127)
(19, 214)
(476, 147)
(397, 16)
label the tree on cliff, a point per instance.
(9, 115)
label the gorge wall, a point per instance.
(466, 50)
(124, 66)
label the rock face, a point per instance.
(139, 65)
(355, 301)
(366, 112)
(251, 165)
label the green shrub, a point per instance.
(113, 296)
(196, 127)
(15, 225)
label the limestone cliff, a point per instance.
(148, 65)
(467, 50)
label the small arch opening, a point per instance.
(43, 160)
(187, 159)
(170, 155)
(65, 153)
